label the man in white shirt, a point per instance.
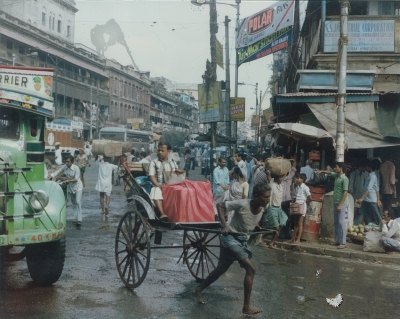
(58, 155)
(104, 182)
(239, 162)
(143, 158)
(391, 234)
(88, 154)
(308, 170)
(74, 186)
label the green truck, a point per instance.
(32, 209)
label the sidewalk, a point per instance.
(322, 247)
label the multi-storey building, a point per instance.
(373, 69)
(129, 94)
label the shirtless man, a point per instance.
(246, 218)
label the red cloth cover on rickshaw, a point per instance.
(189, 201)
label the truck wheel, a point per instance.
(46, 261)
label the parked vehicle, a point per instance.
(120, 134)
(32, 209)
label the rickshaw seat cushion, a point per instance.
(145, 183)
(189, 201)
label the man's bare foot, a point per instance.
(102, 212)
(106, 210)
(199, 297)
(272, 246)
(297, 242)
(251, 311)
(291, 241)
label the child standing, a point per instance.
(275, 217)
(302, 197)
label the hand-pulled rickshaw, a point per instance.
(140, 226)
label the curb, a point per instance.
(343, 253)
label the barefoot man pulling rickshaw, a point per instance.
(246, 218)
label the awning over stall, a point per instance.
(284, 133)
(220, 138)
(156, 137)
(361, 124)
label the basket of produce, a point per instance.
(356, 234)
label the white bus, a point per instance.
(120, 134)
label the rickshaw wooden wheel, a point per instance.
(132, 249)
(201, 252)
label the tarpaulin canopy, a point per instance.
(299, 131)
(361, 127)
(305, 134)
(173, 137)
(220, 138)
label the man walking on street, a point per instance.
(340, 203)
(58, 155)
(104, 182)
(193, 157)
(246, 217)
(220, 181)
(388, 178)
(74, 186)
(369, 201)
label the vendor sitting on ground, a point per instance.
(156, 169)
(391, 233)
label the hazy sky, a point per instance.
(171, 38)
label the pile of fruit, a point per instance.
(356, 231)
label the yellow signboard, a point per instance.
(255, 120)
(220, 53)
(210, 103)
(135, 126)
(238, 107)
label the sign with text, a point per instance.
(238, 107)
(131, 120)
(255, 120)
(265, 32)
(364, 36)
(210, 102)
(31, 88)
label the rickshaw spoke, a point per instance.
(138, 259)
(194, 260)
(208, 257)
(119, 240)
(125, 236)
(188, 257)
(137, 268)
(215, 235)
(127, 256)
(122, 251)
(198, 265)
(131, 270)
(129, 230)
(126, 264)
(209, 250)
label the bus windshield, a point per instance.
(114, 136)
(9, 123)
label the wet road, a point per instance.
(286, 285)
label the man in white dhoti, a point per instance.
(104, 182)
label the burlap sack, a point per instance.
(107, 148)
(277, 165)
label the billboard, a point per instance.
(131, 120)
(210, 103)
(265, 32)
(364, 36)
(30, 87)
(238, 107)
(255, 120)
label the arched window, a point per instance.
(50, 20)
(69, 28)
(59, 24)
(44, 16)
(54, 18)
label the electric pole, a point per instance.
(341, 97)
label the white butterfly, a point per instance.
(335, 302)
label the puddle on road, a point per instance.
(107, 227)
